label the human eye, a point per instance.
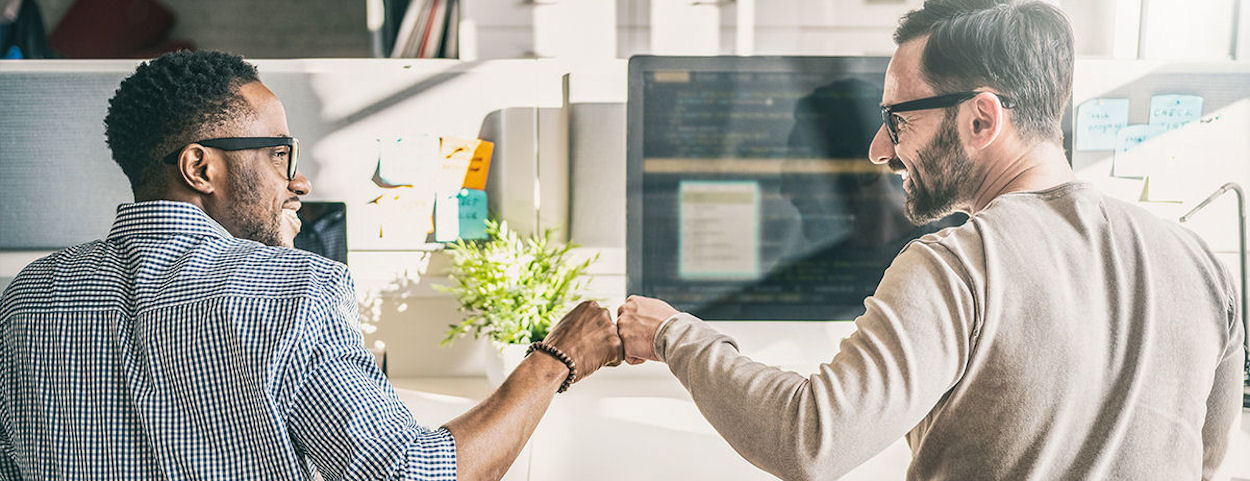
(899, 121)
(280, 153)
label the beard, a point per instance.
(248, 209)
(948, 167)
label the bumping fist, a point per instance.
(636, 322)
(587, 335)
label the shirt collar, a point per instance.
(164, 217)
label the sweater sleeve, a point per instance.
(1224, 403)
(909, 348)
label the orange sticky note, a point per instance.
(471, 155)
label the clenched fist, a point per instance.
(637, 321)
(587, 335)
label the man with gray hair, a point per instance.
(1057, 334)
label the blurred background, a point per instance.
(592, 29)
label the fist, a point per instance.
(636, 322)
(587, 335)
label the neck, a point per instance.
(174, 195)
(1038, 167)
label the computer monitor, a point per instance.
(750, 192)
(323, 229)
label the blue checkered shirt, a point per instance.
(172, 350)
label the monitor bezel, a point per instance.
(640, 65)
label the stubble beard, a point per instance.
(947, 167)
(248, 209)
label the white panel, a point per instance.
(781, 13)
(1243, 35)
(633, 13)
(497, 13)
(1180, 29)
(553, 171)
(504, 42)
(855, 13)
(777, 41)
(846, 41)
(575, 29)
(682, 27)
(632, 41)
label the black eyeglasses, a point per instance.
(938, 102)
(248, 143)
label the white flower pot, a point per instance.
(501, 360)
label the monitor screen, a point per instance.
(750, 192)
(323, 229)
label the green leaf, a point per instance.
(512, 288)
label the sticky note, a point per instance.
(1171, 112)
(1131, 158)
(472, 214)
(1097, 121)
(406, 161)
(400, 218)
(478, 153)
(460, 216)
(447, 218)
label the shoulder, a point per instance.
(169, 271)
(276, 270)
(33, 282)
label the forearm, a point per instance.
(761, 412)
(490, 435)
(797, 427)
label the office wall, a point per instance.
(342, 107)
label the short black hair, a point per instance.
(169, 102)
(1021, 48)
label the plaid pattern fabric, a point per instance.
(172, 350)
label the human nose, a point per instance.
(300, 184)
(881, 150)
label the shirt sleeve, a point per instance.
(346, 417)
(1224, 403)
(908, 350)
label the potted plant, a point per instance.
(512, 289)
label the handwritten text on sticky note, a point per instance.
(472, 214)
(1170, 112)
(1097, 121)
(1132, 159)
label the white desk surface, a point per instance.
(620, 428)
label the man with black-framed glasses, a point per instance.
(1057, 334)
(193, 343)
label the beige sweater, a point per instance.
(1056, 335)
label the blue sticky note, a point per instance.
(1130, 159)
(1173, 111)
(1097, 121)
(406, 161)
(472, 213)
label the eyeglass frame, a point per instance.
(247, 143)
(935, 102)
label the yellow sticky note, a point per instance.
(467, 160)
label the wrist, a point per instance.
(564, 361)
(548, 368)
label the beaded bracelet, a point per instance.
(564, 358)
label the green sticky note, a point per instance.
(472, 213)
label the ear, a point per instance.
(986, 120)
(197, 170)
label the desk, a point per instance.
(652, 423)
